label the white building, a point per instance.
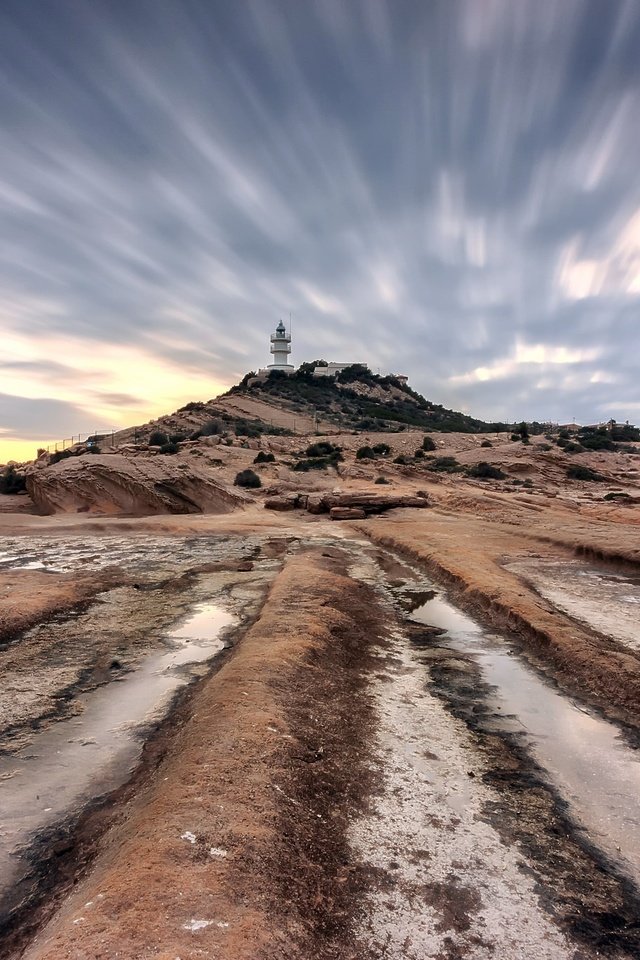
(281, 348)
(331, 369)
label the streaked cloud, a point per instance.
(426, 187)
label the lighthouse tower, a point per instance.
(281, 348)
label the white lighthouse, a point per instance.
(281, 348)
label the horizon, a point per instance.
(444, 190)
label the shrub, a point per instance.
(322, 449)
(211, 428)
(428, 444)
(573, 447)
(578, 472)
(515, 436)
(247, 478)
(419, 454)
(158, 439)
(11, 481)
(193, 405)
(381, 480)
(615, 496)
(445, 465)
(402, 459)
(264, 458)
(486, 443)
(169, 447)
(523, 430)
(382, 449)
(177, 437)
(545, 446)
(365, 453)
(485, 471)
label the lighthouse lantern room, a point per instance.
(281, 348)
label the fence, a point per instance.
(104, 437)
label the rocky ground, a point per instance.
(322, 756)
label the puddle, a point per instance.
(607, 602)
(586, 760)
(84, 757)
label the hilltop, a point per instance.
(357, 399)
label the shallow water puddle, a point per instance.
(586, 760)
(607, 601)
(85, 756)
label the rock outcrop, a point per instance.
(345, 506)
(116, 484)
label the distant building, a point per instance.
(331, 369)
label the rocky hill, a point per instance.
(357, 400)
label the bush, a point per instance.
(247, 478)
(445, 465)
(485, 471)
(11, 481)
(402, 459)
(169, 447)
(382, 449)
(515, 437)
(573, 447)
(578, 472)
(158, 439)
(365, 453)
(419, 454)
(264, 458)
(322, 449)
(381, 480)
(486, 443)
(211, 428)
(428, 444)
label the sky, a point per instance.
(448, 189)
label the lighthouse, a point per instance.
(281, 348)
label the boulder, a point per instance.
(347, 513)
(115, 484)
(281, 503)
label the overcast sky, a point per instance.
(444, 188)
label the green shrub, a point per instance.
(402, 459)
(169, 447)
(428, 444)
(381, 480)
(617, 496)
(545, 446)
(419, 454)
(485, 471)
(158, 439)
(365, 453)
(247, 478)
(11, 481)
(578, 472)
(382, 449)
(573, 447)
(445, 465)
(322, 449)
(486, 443)
(263, 457)
(515, 437)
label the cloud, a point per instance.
(426, 187)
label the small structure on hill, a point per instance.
(331, 369)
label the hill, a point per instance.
(357, 399)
